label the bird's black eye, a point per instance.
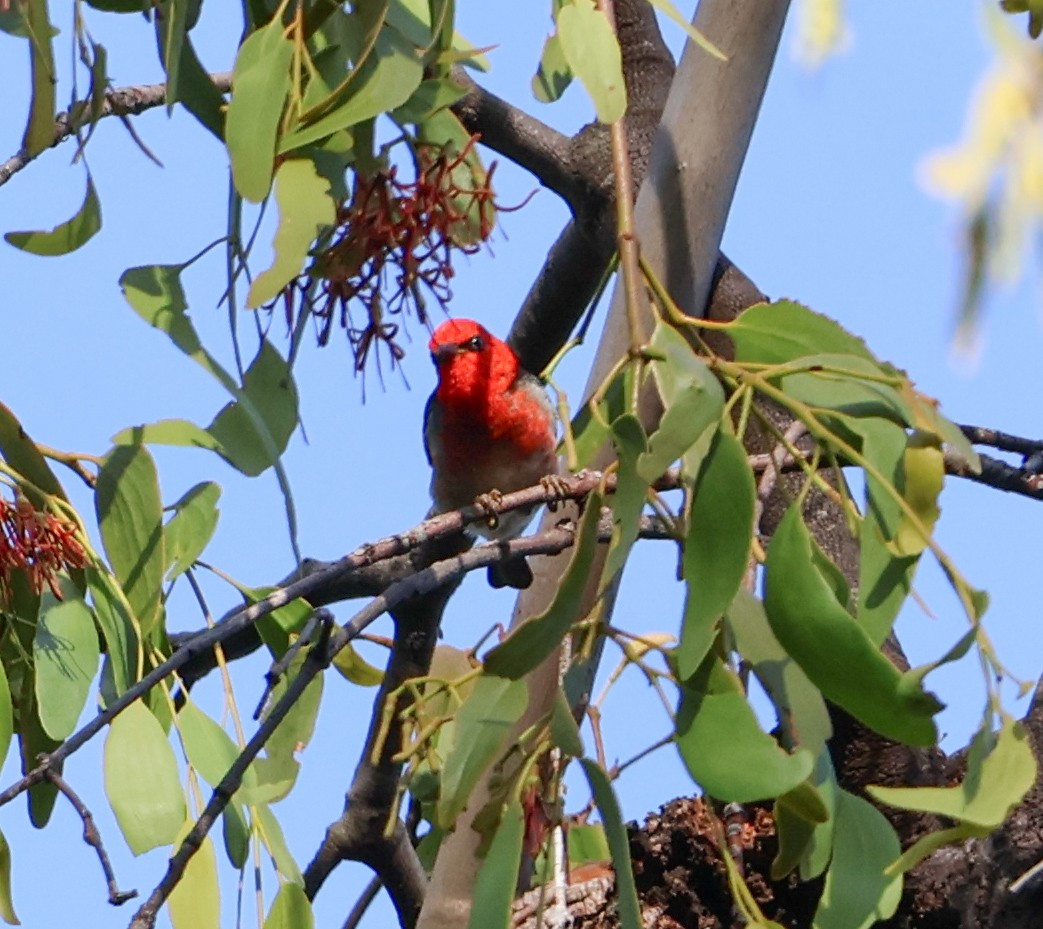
(475, 345)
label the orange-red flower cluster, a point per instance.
(40, 545)
(393, 245)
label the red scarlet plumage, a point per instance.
(489, 423)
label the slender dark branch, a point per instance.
(515, 134)
(123, 102)
(999, 475)
(363, 903)
(92, 837)
(983, 435)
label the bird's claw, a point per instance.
(489, 503)
(557, 485)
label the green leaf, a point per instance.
(618, 843)
(794, 838)
(291, 909)
(590, 432)
(857, 893)
(723, 746)
(305, 209)
(141, 780)
(39, 131)
(191, 527)
(195, 901)
(156, 295)
(717, 547)
(260, 85)
(6, 717)
(535, 639)
(834, 651)
(65, 652)
(33, 742)
(498, 874)
(130, 516)
(563, 728)
(277, 627)
(554, 74)
(805, 818)
(236, 834)
(848, 384)
(387, 79)
(588, 844)
(885, 578)
(589, 45)
(1001, 769)
(353, 667)
(178, 432)
(116, 622)
(198, 94)
(693, 402)
(209, 749)
(255, 429)
(802, 714)
(820, 849)
(273, 839)
(21, 453)
(779, 332)
(172, 25)
(277, 770)
(67, 237)
(7, 913)
(413, 19)
(431, 96)
(482, 726)
(924, 468)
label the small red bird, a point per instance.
(489, 426)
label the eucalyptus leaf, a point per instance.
(260, 86)
(67, 237)
(589, 45)
(482, 726)
(141, 780)
(834, 651)
(305, 210)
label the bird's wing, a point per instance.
(432, 422)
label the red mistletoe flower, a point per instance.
(393, 247)
(37, 544)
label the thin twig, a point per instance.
(279, 668)
(983, 435)
(363, 903)
(997, 474)
(123, 101)
(92, 837)
(629, 250)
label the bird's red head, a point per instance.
(470, 360)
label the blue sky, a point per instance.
(829, 211)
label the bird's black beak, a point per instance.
(443, 353)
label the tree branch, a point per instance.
(123, 102)
(92, 837)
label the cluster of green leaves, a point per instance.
(807, 638)
(112, 615)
